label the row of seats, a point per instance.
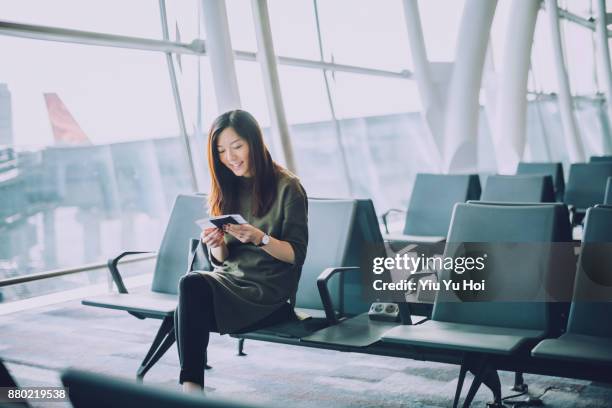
(336, 295)
(481, 337)
(597, 159)
(492, 332)
(332, 298)
(429, 212)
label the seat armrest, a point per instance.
(114, 270)
(322, 280)
(386, 215)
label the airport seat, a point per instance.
(600, 159)
(346, 324)
(586, 187)
(6, 380)
(519, 189)
(330, 225)
(608, 195)
(91, 390)
(327, 247)
(553, 169)
(496, 326)
(172, 262)
(366, 242)
(431, 205)
(588, 339)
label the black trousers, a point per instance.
(193, 321)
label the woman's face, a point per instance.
(234, 152)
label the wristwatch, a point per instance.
(265, 240)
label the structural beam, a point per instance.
(433, 106)
(269, 70)
(511, 105)
(571, 135)
(219, 49)
(460, 142)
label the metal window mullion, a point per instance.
(46, 33)
(221, 56)
(177, 98)
(197, 47)
(330, 101)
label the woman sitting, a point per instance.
(258, 264)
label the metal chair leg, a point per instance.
(519, 383)
(206, 366)
(462, 373)
(241, 347)
(491, 380)
(478, 377)
(164, 339)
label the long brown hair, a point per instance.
(223, 197)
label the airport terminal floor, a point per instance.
(271, 375)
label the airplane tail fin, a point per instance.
(66, 130)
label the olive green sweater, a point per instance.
(251, 284)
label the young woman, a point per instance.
(257, 265)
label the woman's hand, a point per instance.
(212, 237)
(244, 233)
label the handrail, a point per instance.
(67, 271)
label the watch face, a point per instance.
(265, 239)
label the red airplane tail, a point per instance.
(66, 130)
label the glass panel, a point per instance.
(93, 161)
(253, 99)
(579, 51)
(294, 29)
(184, 19)
(242, 29)
(583, 8)
(487, 161)
(440, 20)
(313, 135)
(365, 33)
(544, 129)
(110, 16)
(361, 95)
(590, 117)
(382, 133)
(199, 109)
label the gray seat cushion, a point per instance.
(150, 303)
(576, 347)
(462, 337)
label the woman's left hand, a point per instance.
(244, 233)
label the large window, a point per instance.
(92, 151)
(365, 33)
(97, 154)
